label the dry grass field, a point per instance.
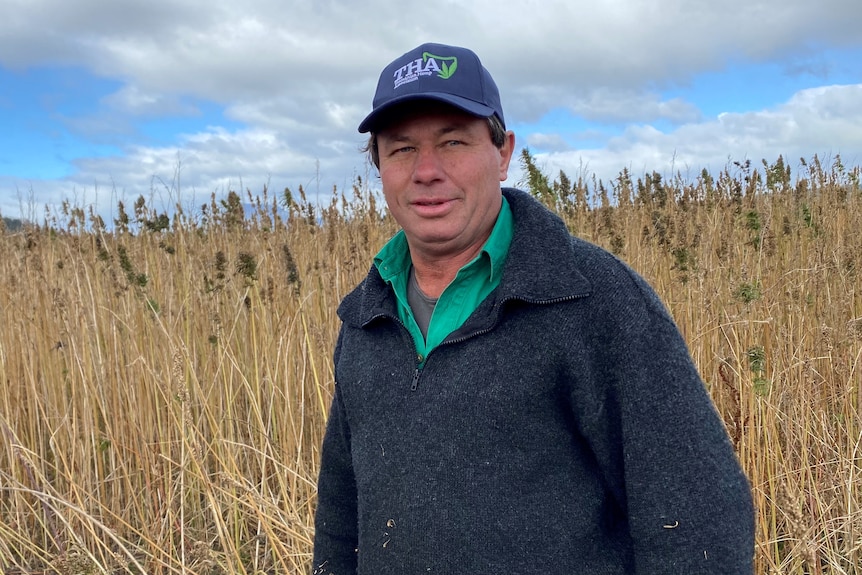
(164, 385)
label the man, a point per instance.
(509, 399)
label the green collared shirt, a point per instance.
(471, 285)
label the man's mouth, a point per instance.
(432, 207)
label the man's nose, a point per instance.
(428, 166)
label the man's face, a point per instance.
(441, 177)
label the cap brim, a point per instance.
(373, 121)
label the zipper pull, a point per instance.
(415, 383)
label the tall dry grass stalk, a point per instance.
(165, 384)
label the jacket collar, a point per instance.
(538, 269)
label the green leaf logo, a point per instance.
(449, 70)
(448, 64)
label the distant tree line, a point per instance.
(11, 224)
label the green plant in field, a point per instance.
(757, 365)
(777, 175)
(661, 229)
(76, 562)
(145, 217)
(121, 222)
(756, 359)
(218, 281)
(761, 386)
(134, 278)
(538, 183)
(101, 252)
(754, 224)
(153, 305)
(748, 292)
(684, 261)
(652, 190)
(809, 220)
(806, 216)
(246, 266)
(233, 212)
(292, 271)
(158, 224)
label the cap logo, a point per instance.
(457, 78)
(444, 66)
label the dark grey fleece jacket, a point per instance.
(562, 430)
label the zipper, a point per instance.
(414, 381)
(418, 371)
(497, 316)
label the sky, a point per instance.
(104, 101)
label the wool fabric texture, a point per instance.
(562, 429)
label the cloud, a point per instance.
(215, 161)
(136, 101)
(811, 122)
(211, 162)
(550, 142)
(616, 106)
(538, 51)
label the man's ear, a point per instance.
(506, 151)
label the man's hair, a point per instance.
(495, 126)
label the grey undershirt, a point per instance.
(421, 304)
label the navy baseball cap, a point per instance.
(436, 72)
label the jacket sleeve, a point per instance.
(687, 500)
(335, 535)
